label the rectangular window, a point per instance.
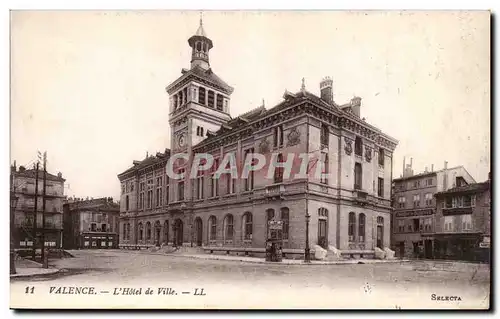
(103, 228)
(149, 199)
(429, 182)
(199, 187)
(249, 179)
(416, 225)
(381, 157)
(448, 223)
(214, 189)
(324, 135)
(380, 187)
(324, 168)
(401, 225)
(159, 191)
(201, 96)
(167, 188)
(142, 187)
(467, 222)
(93, 227)
(428, 199)
(220, 100)
(402, 202)
(211, 97)
(278, 136)
(416, 200)
(358, 176)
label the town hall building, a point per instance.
(349, 210)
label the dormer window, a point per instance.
(358, 146)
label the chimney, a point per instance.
(445, 176)
(404, 165)
(326, 89)
(432, 167)
(59, 175)
(22, 168)
(426, 170)
(356, 105)
(411, 162)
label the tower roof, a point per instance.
(201, 32)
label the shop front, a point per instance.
(462, 246)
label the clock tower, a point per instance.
(199, 100)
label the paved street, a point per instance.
(233, 284)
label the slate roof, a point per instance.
(148, 161)
(31, 173)
(470, 188)
(208, 75)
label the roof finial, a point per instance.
(303, 87)
(263, 102)
(201, 18)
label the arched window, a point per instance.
(141, 231)
(198, 46)
(247, 226)
(352, 226)
(148, 231)
(228, 227)
(157, 233)
(126, 203)
(128, 230)
(358, 146)
(124, 231)
(165, 232)
(285, 218)
(212, 228)
(362, 227)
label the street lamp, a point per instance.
(13, 205)
(307, 256)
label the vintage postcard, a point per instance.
(250, 160)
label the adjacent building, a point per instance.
(91, 223)
(24, 182)
(414, 216)
(350, 209)
(463, 222)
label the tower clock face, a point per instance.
(182, 140)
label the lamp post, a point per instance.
(307, 257)
(13, 205)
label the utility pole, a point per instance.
(43, 204)
(35, 214)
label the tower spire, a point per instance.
(201, 45)
(303, 86)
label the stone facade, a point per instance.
(23, 181)
(156, 209)
(91, 223)
(463, 222)
(414, 216)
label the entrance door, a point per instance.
(178, 232)
(199, 231)
(428, 248)
(380, 236)
(322, 241)
(401, 249)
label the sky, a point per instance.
(88, 87)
